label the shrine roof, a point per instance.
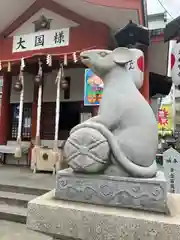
(114, 13)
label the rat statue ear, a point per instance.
(122, 55)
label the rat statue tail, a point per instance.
(92, 152)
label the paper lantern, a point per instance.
(175, 64)
(136, 67)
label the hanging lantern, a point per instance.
(64, 84)
(63, 81)
(18, 86)
(38, 79)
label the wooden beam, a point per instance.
(130, 4)
(35, 7)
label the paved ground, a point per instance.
(16, 231)
(23, 176)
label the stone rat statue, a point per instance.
(124, 133)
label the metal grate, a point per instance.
(26, 126)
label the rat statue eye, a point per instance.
(103, 54)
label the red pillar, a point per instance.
(5, 108)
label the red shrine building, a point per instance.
(54, 31)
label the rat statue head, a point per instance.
(103, 62)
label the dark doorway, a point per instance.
(69, 117)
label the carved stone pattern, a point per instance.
(146, 194)
(107, 194)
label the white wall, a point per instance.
(158, 58)
(28, 89)
(57, 22)
(76, 87)
(156, 24)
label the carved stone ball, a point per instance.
(17, 86)
(87, 151)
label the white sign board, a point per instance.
(41, 40)
(172, 169)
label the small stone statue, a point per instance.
(122, 139)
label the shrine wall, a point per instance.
(28, 89)
(57, 22)
(76, 85)
(49, 90)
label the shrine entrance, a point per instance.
(69, 117)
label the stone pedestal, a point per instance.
(79, 221)
(138, 193)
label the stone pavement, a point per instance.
(23, 176)
(16, 231)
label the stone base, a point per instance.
(71, 220)
(145, 194)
